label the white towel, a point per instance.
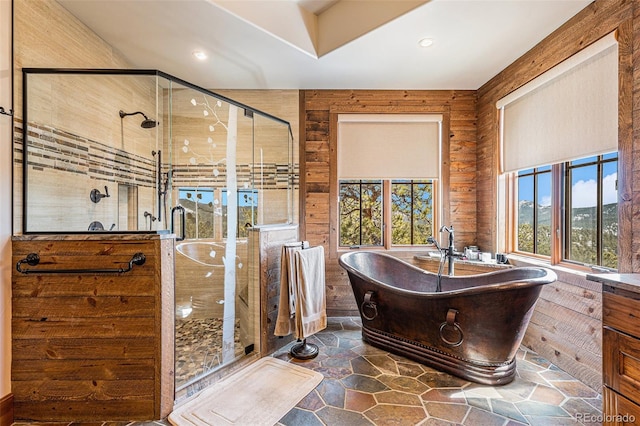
(285, 324)
(311, 305)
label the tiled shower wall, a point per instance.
(61, 163)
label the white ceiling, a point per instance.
(325, 44)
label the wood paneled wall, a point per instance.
(566, 327)
(318, 115)
(265, 249)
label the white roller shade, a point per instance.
(389, 146)
(569, 112)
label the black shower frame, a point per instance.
(113, 71)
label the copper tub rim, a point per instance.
(546, 276)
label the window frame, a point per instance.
(387, 206)
(434, 208)
(441, 196)
(560, 217)
(240, 227)
(361, 183)
(566, 170)
(535, 173)
(200, 190)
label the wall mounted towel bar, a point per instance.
(33, 259)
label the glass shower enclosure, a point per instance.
(140, 151)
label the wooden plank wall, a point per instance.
(93, 347)
(566, 327)
(318, 172)
(265, 248)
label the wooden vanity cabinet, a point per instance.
(621, 356)
(93, 347)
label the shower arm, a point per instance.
(147, 123)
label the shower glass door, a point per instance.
(228, 169)
(207, 146)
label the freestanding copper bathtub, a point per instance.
(472, 328)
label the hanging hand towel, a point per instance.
(285, 324)
(311, 306)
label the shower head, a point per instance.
(147, 123)
(432, 240)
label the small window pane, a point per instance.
(543, 214)
(412, 212)
(534, 211)
(401, 213)
(583, 215)
(525, 214)
(422, 212)
(525, 172)
(372, 214)
(581, 161)
(360, 213)
(199, 218)
(610, 215)
(247, 207)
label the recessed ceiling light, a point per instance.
(425, 42)
(199, 54)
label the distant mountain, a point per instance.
(583, 217)
(525, 213)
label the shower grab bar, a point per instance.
(159, 185)
(182, 212)
(33, 259)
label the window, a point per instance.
(555, 132)
(199, 207)
(592, 211)
(360, 213)
(387, 169)
(587, 211)
(247, 211)
(364, 216)
(411, 212)
(534, 211)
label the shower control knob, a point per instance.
(96, 196)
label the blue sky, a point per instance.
(584, 186)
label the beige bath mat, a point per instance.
(260, 394)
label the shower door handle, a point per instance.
(182, 221)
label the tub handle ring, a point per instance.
(451, 322)
(368, 303)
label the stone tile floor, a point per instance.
(364, 385)
(199, 347)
